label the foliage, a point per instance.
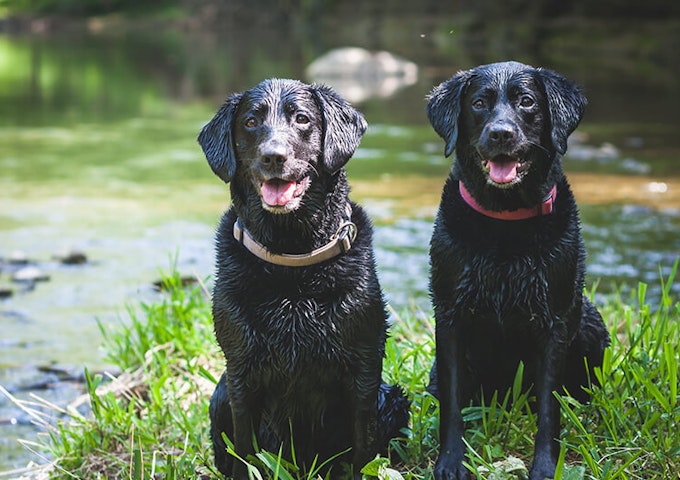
(152, 421)
(488, 9)
(76, 7)
(631, 429)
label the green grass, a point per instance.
(152, 421)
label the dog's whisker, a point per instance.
(311, 168)
(540, 147)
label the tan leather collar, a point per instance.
(339, 244)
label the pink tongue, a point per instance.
(277, 192)
(502, 171)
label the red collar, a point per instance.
(545, 208)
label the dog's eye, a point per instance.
(302, 119)
(479, 104)
(526, 101)
(251, 122)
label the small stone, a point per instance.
(72, 258)
(184, 281)
(17, 257)
(30, 274)
(5, 291)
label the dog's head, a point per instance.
(280, 136)
(508, 122)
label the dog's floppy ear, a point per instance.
(566, 103)
(217, 142)
(443, 108)
(343, 127)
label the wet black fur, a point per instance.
(303, 345)
(508, 291)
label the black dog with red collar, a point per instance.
(507, 258)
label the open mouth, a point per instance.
(504, 169)
(278, 192)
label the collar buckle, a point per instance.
(346, 234)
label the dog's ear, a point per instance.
(443, 108)
(343, 127)
(216, 139)
(566, 103)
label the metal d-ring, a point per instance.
(346, 234)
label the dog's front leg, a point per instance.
(245, 421)
(452, 450)
(365, 409)
(549, 379)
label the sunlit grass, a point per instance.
(152, 421)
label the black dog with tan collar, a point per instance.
(297, 307)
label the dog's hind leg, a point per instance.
(221, 422)
(393, 414)
(590, 342)
(365, 420)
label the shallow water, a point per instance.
(98, 154)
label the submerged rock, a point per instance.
(168, 284)
(74, 257)
(30, 274)
(17, 257)
(358, 74)
(6, 291)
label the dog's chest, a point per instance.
(300, 325)
(523, 274)
(503, 291)
(280, 322)
(296, 329)
(506, 288)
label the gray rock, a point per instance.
(359, 74)
(17, 257)
(73, 257)
(30, 274)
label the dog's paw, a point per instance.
(449, 469)
(542, 471)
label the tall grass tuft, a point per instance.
(631, 428)
(152, 420)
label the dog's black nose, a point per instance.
(501, 133)
(273, 154)
(268, 160)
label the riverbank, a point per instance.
(152, 420)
